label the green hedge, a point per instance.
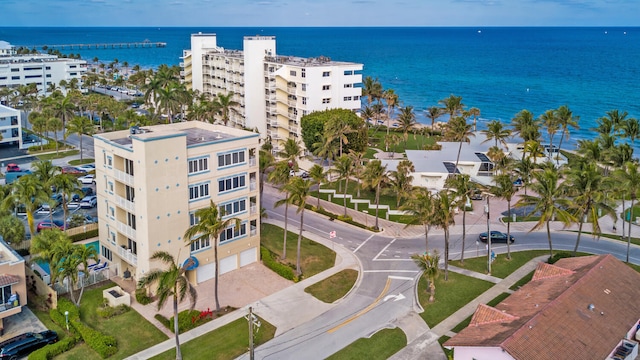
(280, 269)
(107, 311)
(163, 320)
(186, 320)
(104, 345)
(50, 351)
(333, 216)
(142, 298)
(84, 236)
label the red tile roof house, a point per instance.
(578, 308)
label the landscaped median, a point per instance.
(381, 345)
(334, 287)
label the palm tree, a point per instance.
(401, 180)
(226, 106)
(374, 177)
(343, 167)
(170, 283)
(280, 176)
(452, 105)
(631, 130)
(629, 178)
(433, 113)
(80, 126)
(326, 148)
(291, 153)
(443, 217)
(72, 256)
(317, 174)
(46, 172)
(64, 109)
(338, 129)
(67, 185)
(406, 121)
(208, 228)
(54, 124)
(50, 246)
(504, 189)
(463, 189)
(565, 121)
(29, 192)
(358, 167)
(420, 211)
(299, 190)
(372, 89)
(549, 203)
(266, 161)
(429, 264)
(587, 188)
(391, 98)
(550, 121)
(459, 131)
(496, 131)
(475, 112)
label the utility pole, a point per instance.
(487, 210)
(250, 319)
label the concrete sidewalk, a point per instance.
(277, 308)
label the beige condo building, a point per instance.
(151, 180)
(273, 91)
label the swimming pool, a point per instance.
(45, 266)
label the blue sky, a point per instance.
(320, 12)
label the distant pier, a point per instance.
(120, 45)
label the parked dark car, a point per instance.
(496, 236)
(25, 344)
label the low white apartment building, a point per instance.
(274, 91)
(150, 181)
(10, 128)
(41, 69)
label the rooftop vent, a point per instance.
(591, 307)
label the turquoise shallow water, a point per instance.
(45, 265)
(499, 70)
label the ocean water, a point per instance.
(499, 70)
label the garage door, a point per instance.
(228, 264)
(248, 257)
(205, 272)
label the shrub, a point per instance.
(142, 298)
(279, 268)
(50, 351)
(559, 255)
(83, 236)
(163, 320)
(188, 320)
(105, 311)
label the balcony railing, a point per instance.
(291, 89)
(127, 230)
(253, 209)
(13, 303)
(125, 204)
(291, 102)
(253, 231)
(128, 256)
(252, 161)
(123, 177)
(253, 185)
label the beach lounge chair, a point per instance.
(99, 267)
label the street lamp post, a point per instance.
(487, 211)
(66, 318)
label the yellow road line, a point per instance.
(365, 310)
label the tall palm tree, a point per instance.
(374, 177)
(71, 258)
(210, 224)
(504, 189)
(631, 130)
(80, 126)
(358, 167)
(549, 120)
(452, 105)
(67, 185)
(475, 112)
(419, 210)
(391, 99)
(64, 109)
(317, 174)
(587, 188)
(226, 106)
(46, 173)
(50, 246)
(299, 190)
(401, 180)
(406, 121)
(336, 128)
(325, 148)
(629, 178)
(429, 264)
(433, 113)
(549, 203)
(266, 161)
(29, 192)
(372, 89)
(280, 176)
(54, 124)
(565, 121)
(443, 217)
(291, 153)
(463, 189)
(459, 131)
(497, 132)
(343, 167)
(170, 283)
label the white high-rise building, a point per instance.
(273, 91)
(41, 69)
(10, 128)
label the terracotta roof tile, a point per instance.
(486, 314)
(544, 271)
(6, 279)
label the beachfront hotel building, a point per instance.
(10, 128)
(13, 283)
(151, 180)
(41, 69)
(273, 91)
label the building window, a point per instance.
(326, 87)
(113, 238)
(32, 76)
(193, 219)
(292, 73)
(109, 161)
(326, 73)
(131, 220)
(231, 183)
(15, 78)
(128, 166)
(304, 87)
(15, 70)
(233, 208)
(346, 86)
(356, 97)
(48, 68)
(326, 101)
(133, 246)
(304, 101)
(303, 73)
(199, 191)
(130, 193)
(347, 98)
(5, 293)
(106, 253)
(348, 72)
(198, 165)
(232, 233)
(232, 158)
(200, 244)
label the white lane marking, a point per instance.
(402, 277)
(383, 249)
(394, 277)
(395, 297)
(361, 245)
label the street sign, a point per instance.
(332, 234)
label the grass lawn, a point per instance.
(81, 162)
(451, 295)
(139, 333)
(413, 143)
(369, 154)
(333, 287)
(381, 345)
(314, 257)
(60, 155)
(501, 267)
(227, 342)
(447, 352)
(466, 321)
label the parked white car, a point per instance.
(87, 179)
(86, 167)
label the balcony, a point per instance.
(252, 161)
(125, 204)
(291, 90)
(127, 230)
(293, 129)
(292, 115)
(128, 256)
(253, 231)
(123, 177)
(253, 209)
(12, 303)
(253, 185)
(293, 103)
